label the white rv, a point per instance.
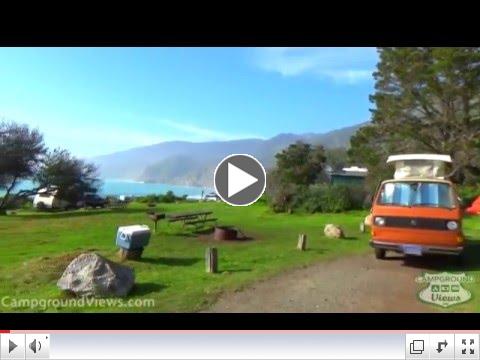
(46, 198)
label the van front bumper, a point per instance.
(426, 249)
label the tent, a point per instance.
(474, 209)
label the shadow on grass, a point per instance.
(235, 270)
(146, 288)
(318, 251)
(350, 238)
(191, 232)
(171, 261)
(71, 214)
(206, 231)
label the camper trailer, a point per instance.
(418, 211)
(47, 198)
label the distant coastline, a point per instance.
(117, 187)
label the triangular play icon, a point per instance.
(238, 180)
(11, 346)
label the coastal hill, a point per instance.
(189, 163)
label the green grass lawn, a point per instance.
(36, 247)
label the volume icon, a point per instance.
(35, 346)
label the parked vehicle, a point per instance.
(46, 198)
(211, 197)
(418, 212)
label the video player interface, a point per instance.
(236, 179)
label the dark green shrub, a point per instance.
(319, 198)
(285, 197)
(311, 200)
(468, 194)
(360, 197)
(153, 199)
(336, 198)
(169, 197)
(148, 199)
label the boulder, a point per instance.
(90, 274)
(333, 231)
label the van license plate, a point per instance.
(412, 250)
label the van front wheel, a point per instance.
(380, 253)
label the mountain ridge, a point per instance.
(193, 163)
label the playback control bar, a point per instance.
(237, 345)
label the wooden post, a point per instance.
(211, 260)
(302, 242)
(362, 227)
(155, 218)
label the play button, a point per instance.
(11, 346)
(240, 179)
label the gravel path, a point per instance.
(349, 284)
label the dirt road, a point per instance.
(350, 284)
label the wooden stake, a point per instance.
(362, 227)
(211, 260)
(302, 242)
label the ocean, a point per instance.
(135, 188)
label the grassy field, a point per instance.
(36, 247)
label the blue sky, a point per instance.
(95, 101)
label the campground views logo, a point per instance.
(444, 289)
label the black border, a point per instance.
(240, 321)
(347, 25)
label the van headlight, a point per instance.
(452, 225)
(379, 221)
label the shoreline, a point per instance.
(127, 187)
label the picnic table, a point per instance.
(192, 218)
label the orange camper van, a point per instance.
(417, 212)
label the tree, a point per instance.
(297, 167)
(426, 100)
(300, 163)
(73, 177)
(337, 158)
(21, 151)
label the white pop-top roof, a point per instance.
(435, 157)
(419, 165)
(52, 190)
(355, 169)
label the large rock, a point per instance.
(90, 274)
(333, 231)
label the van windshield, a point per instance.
(428, 194)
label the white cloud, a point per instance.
(343, 65)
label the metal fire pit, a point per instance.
(225, 233)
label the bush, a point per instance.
(169, 197)
(15, 203)
(319, 198)
(336, 198)
(468, 194)
(325, 198)
(285, 197)
(153, 199)
(148, 199)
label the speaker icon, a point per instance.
(35, 346)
